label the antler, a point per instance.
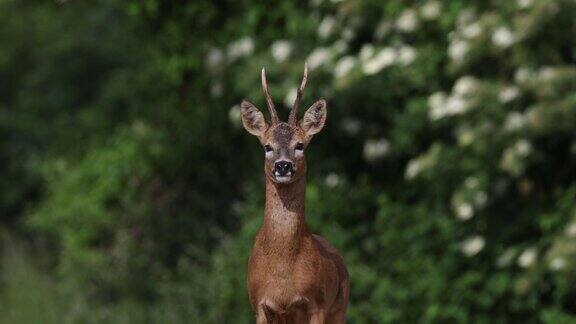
(273, 115)
(292, 119)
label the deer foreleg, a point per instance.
(318, 317)
(266, 314)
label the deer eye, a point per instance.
(300, 147)
(267, 148)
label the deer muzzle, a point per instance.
(283, 170)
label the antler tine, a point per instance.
(273, 115)
(292, 119)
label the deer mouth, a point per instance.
(283, 178)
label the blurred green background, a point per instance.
(446, 174)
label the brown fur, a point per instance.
(294, 276)
(289, 264)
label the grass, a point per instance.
(28, 294)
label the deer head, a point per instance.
(284, 142)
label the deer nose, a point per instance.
(283, 168)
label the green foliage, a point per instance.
(92, 208)
(445, 174)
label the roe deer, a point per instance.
(294, 276)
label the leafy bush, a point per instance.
(445, 175)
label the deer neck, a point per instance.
(284, 212)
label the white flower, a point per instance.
(503, 37)
(466, 17)
(508, 94)
(332, 180)
(326, 27)
(376, 149)
(456, 105)
(234, 115)
(473, 245)
(408, 21)
(436, 104)
(348, 34)
(523, 4)
(557, 264)
(471, 183)
(506, 258)
(366, 52)
(571, 230)
(523, 147)
(465, 136)
(442, 106)
(384, 58)
(240, 48)
(458, 49)
(406, 55)
(466, 85)
(431, 10)
(547, 73)
(514, 121)
(340, 46)
(214, 58)
(318, 57)
(344, 66)
(511, 163)
(437, 99)
(473, 30)
(527, 258)
(513, 158)
(464, 211)
(523, 75)
(281, 50)
(351, 126)
(290, 97)
(415, 166)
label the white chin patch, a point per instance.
(282, 179)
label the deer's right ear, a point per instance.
(252, 119)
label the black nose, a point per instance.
(283, 167)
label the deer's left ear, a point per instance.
(314, 118)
